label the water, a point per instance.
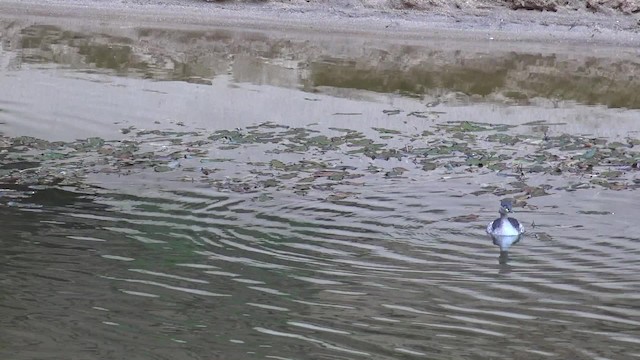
(223, 252)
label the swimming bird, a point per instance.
(505, 231)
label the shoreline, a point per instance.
(499, 25)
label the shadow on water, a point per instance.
(334, 224)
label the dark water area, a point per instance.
(202, 274)
(223, 194)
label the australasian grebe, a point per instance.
(505, 231)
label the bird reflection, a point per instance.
(504, 268)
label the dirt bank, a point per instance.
(605, 6)
(591, 22)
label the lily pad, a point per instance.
(339, 196)
(162, 168)
(590, 153)
(277, 164)
(263, 198)
(468, 126)
(53, 156)
(396, 171)
(288, 176)
(611, 174)
(270, 183)
(593, 212)
(503, 138)
(428, 166)
(215, 160)
(386, 131)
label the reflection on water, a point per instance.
(314, 241)
(199, 56)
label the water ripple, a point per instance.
(382, 275)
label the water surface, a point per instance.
(220, 194)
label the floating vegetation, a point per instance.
(269, 157)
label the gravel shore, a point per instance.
(574, 23)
